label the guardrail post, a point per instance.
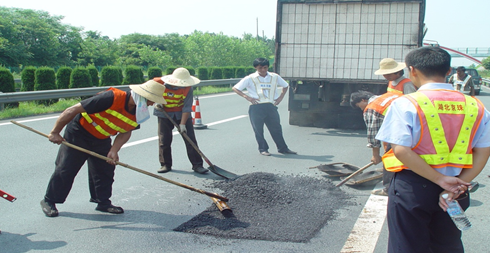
(1, 105)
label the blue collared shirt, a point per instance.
(401, 126)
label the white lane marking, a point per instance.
(29, 120)
(217, 95)
(364, 235)
(129, 144)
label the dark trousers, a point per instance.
(416, 222)
(69, 162)
(165, 138)
(267, 114)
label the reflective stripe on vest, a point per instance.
(399, 87)
(111, 121)
(175, 99)
(459, 155)
(265, 90)
(382, 103)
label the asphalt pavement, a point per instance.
(154, 208)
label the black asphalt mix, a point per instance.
(270, 207)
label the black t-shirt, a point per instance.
(98, 103)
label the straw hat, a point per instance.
(150, 90)
(181, 77)
(389, 66)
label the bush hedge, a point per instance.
(80, 78)
(154, 72)
(203, 73)
(63, 77)
(169, 70)
(228, 72)
(133, 75)
(111, 76)
(45, 80)
(94, 75)
(7, 84)
(240, 72)
(216, 73)
(28, 78)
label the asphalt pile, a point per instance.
(270, 207)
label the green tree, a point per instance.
(35, 38)
(486, 63)
(97, 50)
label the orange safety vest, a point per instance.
(381, 103)
(175, 98)
(399, 87)
(449, 121)
(114, 120)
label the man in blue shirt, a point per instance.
(417, 218)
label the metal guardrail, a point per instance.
(485, 81)
(11, 97)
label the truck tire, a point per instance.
(477, 92)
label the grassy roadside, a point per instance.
(31, 108)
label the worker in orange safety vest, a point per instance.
(374, 110)
(393, 72)
(440, 141)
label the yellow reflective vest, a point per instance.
(449, 121)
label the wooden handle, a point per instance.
(185, 136)
(355, 173)
(210, 194)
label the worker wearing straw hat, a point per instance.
(90, 125)
(178, 106)
(392, 71)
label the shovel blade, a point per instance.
(221, 172)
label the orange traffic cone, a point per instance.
(196, 117)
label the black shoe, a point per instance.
(110, 209)
(200, 170)
(164, 169)
(49, 208)
(93, 200)
(288, 151)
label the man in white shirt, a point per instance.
(264, 97)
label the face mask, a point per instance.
(142, 113)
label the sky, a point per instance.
(452, 23)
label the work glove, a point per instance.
(182, 129)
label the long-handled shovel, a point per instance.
(210, 194)
(355, 173)
(213, 168)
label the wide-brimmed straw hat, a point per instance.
(181, 77)
(150, 90)
(389, 66)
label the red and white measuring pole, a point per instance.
(7, 196)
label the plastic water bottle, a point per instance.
(457, 214)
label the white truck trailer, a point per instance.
(331, 48)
